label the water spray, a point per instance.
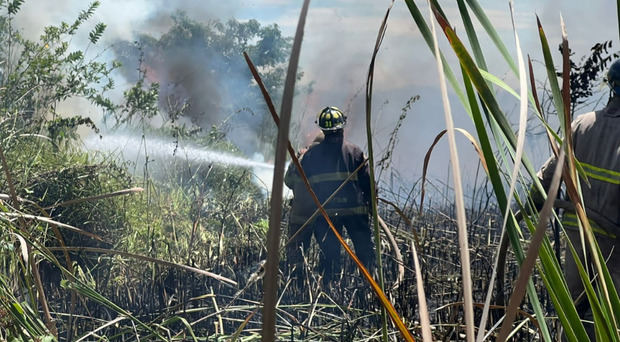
(133, 147)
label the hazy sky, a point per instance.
(337, 47)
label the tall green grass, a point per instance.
(491, 122)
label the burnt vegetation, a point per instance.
(176, 254)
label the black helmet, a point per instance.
(331, 119)
(613, 77)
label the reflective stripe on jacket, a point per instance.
(596, 141)
(570, 221)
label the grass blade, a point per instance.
(427, 158)
(426, 34)
(458, 190)
(471, 34)
(371, 165)
(486, 23)
(532, 252)
(425, 321)
(273, 235)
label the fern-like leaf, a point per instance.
(83, 16)
(14, 6)
(95, 34)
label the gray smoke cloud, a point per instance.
(337, 46)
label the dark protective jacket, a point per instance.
(328, 164)
(596, 140)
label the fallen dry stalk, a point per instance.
(149, 259)
(97, 197)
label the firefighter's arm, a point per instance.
(291, 175)
(545, 174)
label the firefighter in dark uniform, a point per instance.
(327, 165)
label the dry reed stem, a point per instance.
(53, 223)
(425, 321)
(397, 255)
(97, 197)
(427, 158)
(458, 188)
(273, 235)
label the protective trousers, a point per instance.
(358, 229)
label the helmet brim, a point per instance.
(332, 128)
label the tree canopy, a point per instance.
(203, 79)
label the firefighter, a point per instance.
(596, 142)
(302, 208)
(327, 165)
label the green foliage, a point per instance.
(38, 75)
(61, 129)
(189, 214)
(83, 16)
(586, 73)
(140, 101)
(14, 6)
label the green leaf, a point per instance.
(96, 33)
(18, 308)
(486, 23)
(14, 6)
(426, 33)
